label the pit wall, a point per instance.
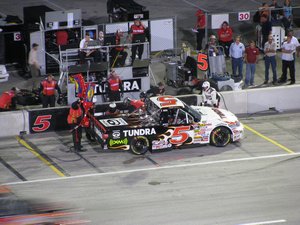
(283, 98)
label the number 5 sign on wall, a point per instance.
(42, 123)
(202, 63)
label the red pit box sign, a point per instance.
(244, 16)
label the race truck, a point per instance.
(166, 123)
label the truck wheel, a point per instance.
(139, 145)
(220, 136)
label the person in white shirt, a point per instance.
(288, 49)
(236, 52)
(85, 52)
(33, 61)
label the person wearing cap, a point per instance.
(74, 120)
(200, 27)
(211, 48)
(114, 87)
(33, 62)
(137, 35)
(47, 89)
(8, 100)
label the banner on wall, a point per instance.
(50, 119)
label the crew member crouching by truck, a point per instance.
(74, 120)
(210, 96)
(8, 100)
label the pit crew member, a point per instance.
(210, 96)
(115, 88)
(8, 100)
(74, 120)
(47, 88)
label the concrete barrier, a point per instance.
(282, 98)
(12, 123)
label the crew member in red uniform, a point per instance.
(119, 51)
(47, 88)
(200, 27)
(135, 105)
(74, 120)
(225, 37)
(114, 87)
(137, 32)
(8, 100)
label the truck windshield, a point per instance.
(194, 113)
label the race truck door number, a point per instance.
(180, 135)
(113, 122)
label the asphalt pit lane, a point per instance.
(132, 160)
(154, 183)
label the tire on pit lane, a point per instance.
(220, 136)
(139, 145)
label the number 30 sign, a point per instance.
(243, 16)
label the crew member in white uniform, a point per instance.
(210, 96)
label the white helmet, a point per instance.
(205, 85)
(112, 105)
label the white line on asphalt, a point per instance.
(265, 222)
(157, 168)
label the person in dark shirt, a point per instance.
(266, 29)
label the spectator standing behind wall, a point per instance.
(287, 13)
(225, 37)
(251, 59)
(33, 61)
(264, 10)
(275, 11)
(288, 62)
(236, 52)
(200, 27)
(266, 29)
(270, 59)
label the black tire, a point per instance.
(226, 88)
(139, 145)
(220, 136)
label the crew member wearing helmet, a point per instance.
(8, 100)
(114, 87)
(112, 110)
(210, 96)
(74, 120)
